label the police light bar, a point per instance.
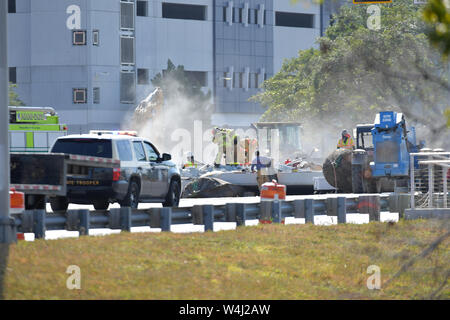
(125, 133)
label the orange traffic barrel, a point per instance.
(17, 205)
(273, 191)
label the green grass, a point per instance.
(262, 262)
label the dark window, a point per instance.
(240, 15)
(95, 37)
(79, 38)
(142, 76)
(183, 11)
(249, 16)
(79, 95)
(124, 150)
(234, 79)
(152, 155)
(265, 76)
(298, 20)
(139, 151)
(127, 87)
(127, 15)
(265, 17)
(84, 147)
(241, 80)
(13, 75)
(197, 78)
(234, 14)
(224, 14)
(256, 16)
(256, 80)
(96, 95)
(224, 79)
(127, 50)
(142, 8)
(11, 6)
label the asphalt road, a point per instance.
(320, 220)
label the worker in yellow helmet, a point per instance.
(346, 142)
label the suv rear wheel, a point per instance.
(173, 195)
(132, 198)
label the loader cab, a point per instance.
(288, 134)
(363, 135)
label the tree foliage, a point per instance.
(357, 72)
(13, 96)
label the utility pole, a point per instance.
(6, 222)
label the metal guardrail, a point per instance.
(83, 220)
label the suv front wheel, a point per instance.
(132, 198)
(173, 195)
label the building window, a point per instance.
(265, 76)
(183, 11)
(79, 38)
(234, 14)
(127, 15)
(255, 12)
(127, 87)
(96, 37)
(197, 78)
(234, 79)
(241, 80)
(264, 17)
(126, 50)
(13, 75)
(249, 16)
(142, 76)
(225, 78)
(11, 6)
(96, 95)
(297, 20)
(256, 80)
(240, 15)
(141, 8)
(224, 14)
(79, 96)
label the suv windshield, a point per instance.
(84, 147)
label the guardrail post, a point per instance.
(114, 218)
(299, 209)
(276, 212)
(208, 217)
(230, 212)
(240, 214)
(166, 219)
(197, 215)
(309, 211)
(265, 211)
(331, 204)
(125, 219)
(341, 210)
(370, 205)
(27, 221)
(85, 221)
(39, 224)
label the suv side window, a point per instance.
(124, 150)
(139, 151)
(151, 153)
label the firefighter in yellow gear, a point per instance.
(227, 142)
(190, 162)
(346, 142)
(248, 148)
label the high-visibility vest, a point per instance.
(190, 165)
(348, 145)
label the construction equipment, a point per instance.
(380, 162)
(280, 141)
(34, 129)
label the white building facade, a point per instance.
(93, 60)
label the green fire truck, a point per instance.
(34, 129)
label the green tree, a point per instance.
(357, 72)
(13, 96)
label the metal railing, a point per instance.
(430, 182)
(83, 220)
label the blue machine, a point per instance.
(392, 144)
